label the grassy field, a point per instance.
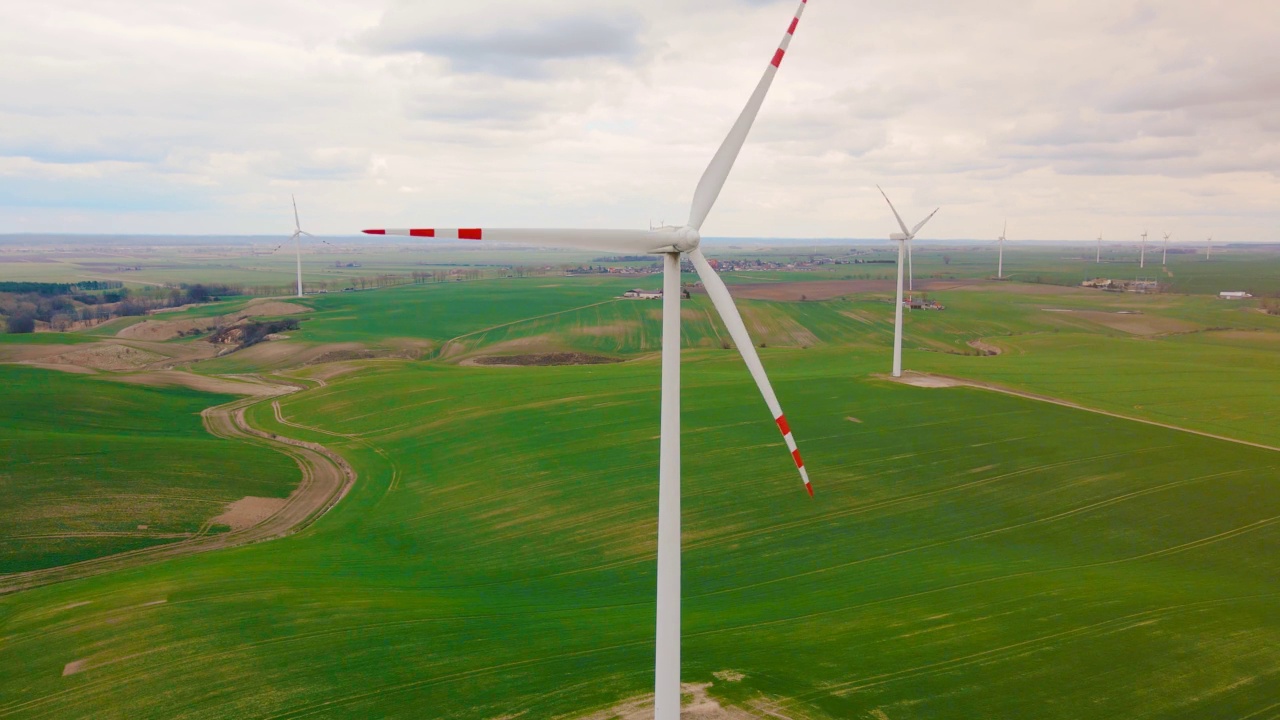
(90, 467)
(967, 553)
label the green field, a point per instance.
(968, 553)
(90, 467)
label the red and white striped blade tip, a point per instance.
(785, 429)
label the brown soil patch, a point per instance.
(106, 356)
(700, 707)
(267, 306)
(34, 353)
(571, 358)
(984, 348)
(178, 378)
(613, 329)
(342, 355)
(63, 368)
(827, 289)
(249, 511)
(74, 667)
(274, 354)
(853, 419)
(1135, 323)
(158, 330)
(926, 381)
(543, 343)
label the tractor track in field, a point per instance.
(326, 479)
(935, 380)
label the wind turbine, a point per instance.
(671, 243)
(1142, 258)
(296, 237)
(1208, 250)
(1000, 266)
(904, 241)
(1098, 256)
(1164, 256)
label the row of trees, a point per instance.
(63, 310)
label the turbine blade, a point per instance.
(895, 212)
(920, 224)
(911, 272)
(704, 197)
(630, 241)
(723, 301)
(304, 232)
(296, 222)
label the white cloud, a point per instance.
(1068, 118)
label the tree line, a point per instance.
(64, 305)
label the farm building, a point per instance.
(1234, 295)
(917, 304)
(638, 294)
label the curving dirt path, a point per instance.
(326, 479)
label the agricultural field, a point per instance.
(970, 552)
(92, 467)
(965, 550)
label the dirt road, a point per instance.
(931, 380)
(326, 479)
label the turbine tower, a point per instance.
(1000, 265)
(1208, 250)
(671, 243)
(1098, 256)
(296, 237)
(904, 241)
(1142, 258)
(1164, 256)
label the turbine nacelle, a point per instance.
(899, 236)
(682, 239)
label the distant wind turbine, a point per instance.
(1098, 256)
(296, 237)
(1000, 264)
(1208, 250)
(1142, 258)
(1164, 257)
(671, 243)
(904, 242)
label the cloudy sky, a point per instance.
(1068, 117)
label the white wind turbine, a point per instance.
(1098, 256)
(904, 241)
(296, 237)
(1208, 249)
(670, 242)
(1164, 256)
(1142, 257)
(1000, 265)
